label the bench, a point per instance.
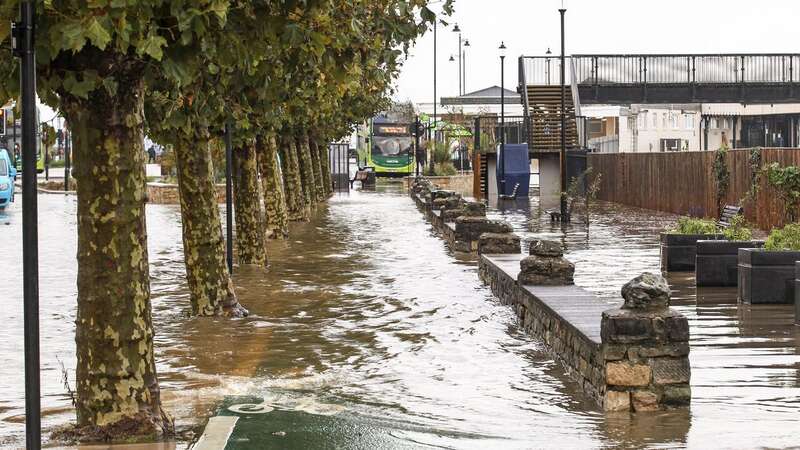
(513, 193)
(728, 213)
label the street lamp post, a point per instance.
(563, 155)
(464, 67)
(23, 45)
(501, 155)
(456, 29)
(434, 91)
(547, 60)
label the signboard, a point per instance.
(390, 130)
(3, 122)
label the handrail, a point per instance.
(523, 90)
(645, 69)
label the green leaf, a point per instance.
(97, 34)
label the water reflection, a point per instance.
(366, 315)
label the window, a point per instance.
(714, 124)
(3, 168)
(641, 120)
(688, 121)
(655, 120)
(664, 120)
(673, 121)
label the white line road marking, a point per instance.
(217, 433)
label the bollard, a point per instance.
(546, 266)
(645, 347)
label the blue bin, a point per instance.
(517, 163)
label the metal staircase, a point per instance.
(542, 107)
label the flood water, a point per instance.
(365, 315)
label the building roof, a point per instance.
(486, 96)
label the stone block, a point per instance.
(672, 349)
(620, 327)
(670, 370)
(617, 401)
(612, 352)
(474, 209)
(546, 270)
(498, 243)
(646, 291)
(541, 247)
(677, 328)
(644, 401)
(471, 228)
(680, 395)
(627, 374)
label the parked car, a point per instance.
(8, 174)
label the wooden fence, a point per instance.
(684, 182)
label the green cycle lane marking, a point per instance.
(255, 424)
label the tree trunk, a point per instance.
(306, 171)
(295, 201)
(277, 218)
(319, 184)
(116, 383)
(210, 285)
(249, 217)
(325, 165)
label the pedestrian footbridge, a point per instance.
(637, 79)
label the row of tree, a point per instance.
(287, 76)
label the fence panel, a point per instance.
(684, 182)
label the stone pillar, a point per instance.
(546, 266)
(645, 347)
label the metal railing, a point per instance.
(339, 160)
(487, 132)
(643, 69)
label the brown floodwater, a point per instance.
(365, 314)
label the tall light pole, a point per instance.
(456, 29)
(501, 155)
(434, 85)
(464, 66)
(23, 44)
(563, 155)
(547, 60)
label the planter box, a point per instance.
(679, 251)
(767, 276)
(797, 293)
(717, 262)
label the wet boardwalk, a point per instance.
(367, 333)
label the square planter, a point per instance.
(767, 276)
(797, 293)
(679, 251)
(717, 262)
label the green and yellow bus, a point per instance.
(391, 149)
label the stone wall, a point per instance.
(633, 358)
(580, 354)
(636, 360)
(460, 222)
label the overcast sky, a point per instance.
(613, 26)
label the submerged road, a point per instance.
(366, 332)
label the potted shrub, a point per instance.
(766, 275)
(718, 260)
(679, 245)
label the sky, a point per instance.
(529, 27)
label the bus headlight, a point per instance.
(3, 186)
